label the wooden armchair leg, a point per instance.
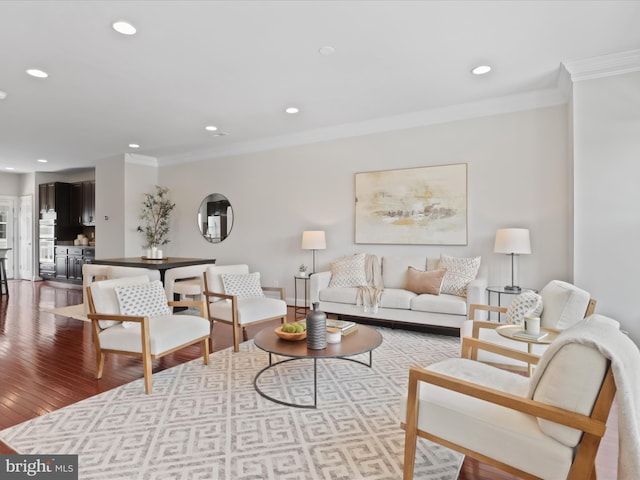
(410, 444)
(205, 350)
(236, 342)
(244, 334)
(99, 364)
(147, 367)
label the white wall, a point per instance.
(110, 207)
(519, 176)
(606, 121)
(141, 176)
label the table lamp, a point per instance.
(512, 241)
(313, 240)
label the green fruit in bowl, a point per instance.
(299, 328)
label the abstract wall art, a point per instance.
(412, 206)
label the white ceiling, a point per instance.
(238, 64)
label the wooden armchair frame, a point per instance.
(486, 324)
(234, 312)
(593, 426)
(145, 354)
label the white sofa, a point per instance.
(398, 305)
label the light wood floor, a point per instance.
(47, 362)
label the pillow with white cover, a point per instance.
(142, 300)
(460, 272)
(348, 271)
(242, 285)
(526, 303)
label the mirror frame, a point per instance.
(215, 218)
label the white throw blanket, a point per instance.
(371, 293)
(601, 333)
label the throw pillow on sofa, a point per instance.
(527, 303)
(348, 271)
(420, 282)
(460, 272)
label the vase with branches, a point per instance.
(155, 214)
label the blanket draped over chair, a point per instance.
(598, 333)
(371, 293)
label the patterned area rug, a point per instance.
(208, 422)
(73, 311)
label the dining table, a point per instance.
(162, 265)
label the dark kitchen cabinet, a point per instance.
(88, 203)
(69, 262)
(55, 196)
(76, 205)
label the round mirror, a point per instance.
(215, 218)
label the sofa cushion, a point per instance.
(396, 298)
(348, 271)
(394, 270)
(347, 295)
(419, 281)
(460, 271)
(526, 303)
(450, 304)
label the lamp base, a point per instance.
(512, 288)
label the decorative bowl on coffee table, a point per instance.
(292, 337)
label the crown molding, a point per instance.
(484, 108)
(138, 159)
(603, 66)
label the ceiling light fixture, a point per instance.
(3, 95)
(210, 128)
(134, 145)
(292, 110)
(125, 28)
(34, 72)
(10, 168)
(327, 50)
(43, 160)
(481, 70)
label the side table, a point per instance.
(297, 311)
(508, 331)
(502, 291)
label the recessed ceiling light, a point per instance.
(10, 168)
(481, 70)
(327, 50)
(43, 160)
(211, 128)
(3, 95)
(134, 145)
(292, 110)
(125, 28)
(34, 72)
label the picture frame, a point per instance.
(412, 206)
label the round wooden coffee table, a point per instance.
(364, 340)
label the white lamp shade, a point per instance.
(512, 240)
(313, 240)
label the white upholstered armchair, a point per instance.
(130, 316)
(235, 297)
(564, 305)
(545, 427)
